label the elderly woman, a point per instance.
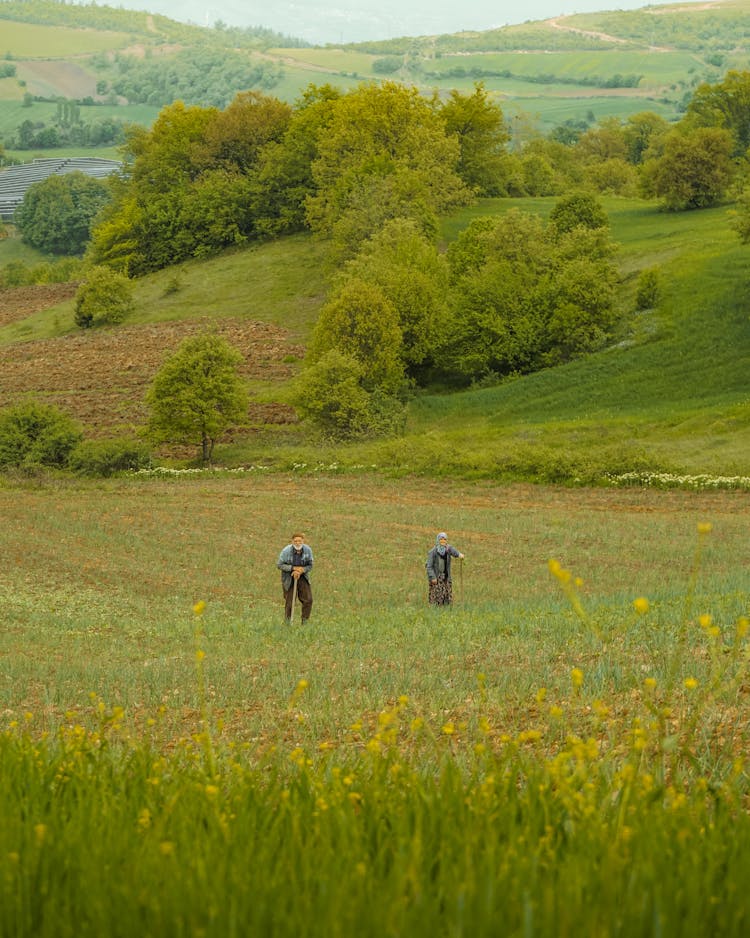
(439, 571)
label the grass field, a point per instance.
(29, 40)
(543, 761)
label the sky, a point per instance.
(335, 21)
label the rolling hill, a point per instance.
(581, 67)
(670, 395)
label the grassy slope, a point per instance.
(672, 393)
(677, 387)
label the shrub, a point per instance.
(648, 291)
(34, 434)
(105, 296)
(107, 457)
(329, 393)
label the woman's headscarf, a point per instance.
(441, 547)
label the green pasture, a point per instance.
(329, 59)
(657, 68)
(553, 110)
(283, 282)
(295, 79)
(13, 114)
(564, 749)
(34, 41)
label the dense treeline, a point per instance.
(371, 171)
(39, 135)
(204, 75)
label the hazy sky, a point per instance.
(322, 21)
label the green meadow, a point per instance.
(562, 750)
(31, 40)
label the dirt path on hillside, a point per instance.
(594, 34)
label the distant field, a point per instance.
(549, 112)
(333, 60)
(13, 114)
(27, 40)
(656, 68)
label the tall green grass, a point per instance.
(550, 755)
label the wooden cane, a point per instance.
(294, 597)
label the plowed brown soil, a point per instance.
(100, 376)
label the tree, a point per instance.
(330, 394)
(34, 434)
(578, 210)
(104, 297)
(524, 296)
(360, 322)
(284, 179)
(413, 276)
(385, 154)
(695, 169)
(197, 394)
(640, 131)
(236, 136)
(725, 105)
(479, 126)
(57, 214)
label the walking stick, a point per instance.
(461, 580)
(294, 597)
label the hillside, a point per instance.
(123, 66)
(670, 395)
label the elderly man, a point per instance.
(295, 562)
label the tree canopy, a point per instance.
(57, 214)
(197, 394)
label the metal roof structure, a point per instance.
(15, 180)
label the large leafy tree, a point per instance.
(198, 394)
(57, 213)
(725, 105)
(361, 322)
(284, 179)
(385, 154)
(694, 170)
(525, 295)
(413, 276)
(479, 126)
(190, 185)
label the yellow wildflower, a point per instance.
(704, 527)
(199, 608)
(576, 677)
(641, 605)
(690, 683)
(449, 729)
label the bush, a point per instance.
(107, 457)
(34, 434)
(330, 394)
(648, 291)
(105, 296)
